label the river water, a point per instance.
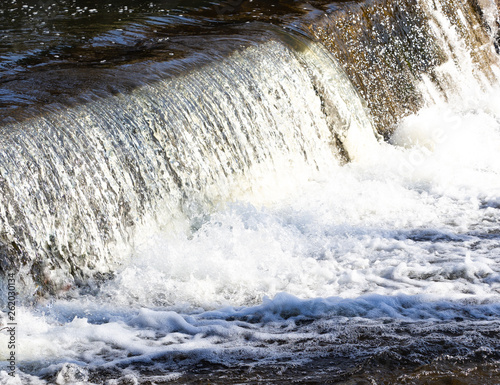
(197, 193)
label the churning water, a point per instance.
(242, 222)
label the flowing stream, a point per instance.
(194, 192)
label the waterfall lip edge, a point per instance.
(145, 73)
(57, 88)
(39, 89)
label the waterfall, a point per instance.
(255, 192)
(78, 183)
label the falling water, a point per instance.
(77, 185)
(235, 215)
